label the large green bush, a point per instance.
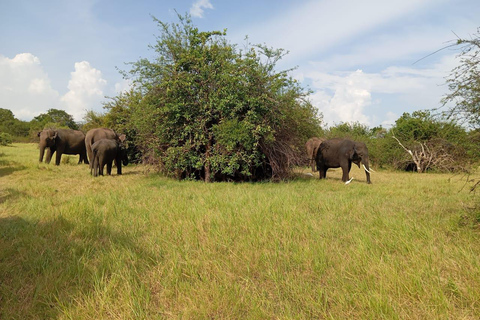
(204, 109)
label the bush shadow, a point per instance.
(9, 167)
(45, 266)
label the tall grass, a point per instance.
(141, 246)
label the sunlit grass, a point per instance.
(141, 246)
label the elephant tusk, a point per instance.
(367, 169)
(349, 181)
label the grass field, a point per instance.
(141, 246)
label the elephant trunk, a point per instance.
(367, 169)
(42, 152)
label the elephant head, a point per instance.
(123, 150)
(47, 140)
(358, 155)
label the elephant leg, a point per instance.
(322, 172)
(49, 155)
(345, 171)
(94, 167)
(119, 167)
(109, 167)
(58, 158)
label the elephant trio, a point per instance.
(337, 153)
(103, 147)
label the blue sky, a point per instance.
(358, 57)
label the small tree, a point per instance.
(464, 83)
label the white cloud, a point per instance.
(316, 26)
(85, 90)
(357, 96)
(197, 8)
(123, 86)
(26, 90)
(25, 87)
(350, 95)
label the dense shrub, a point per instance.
(204, 109)
(5, 139)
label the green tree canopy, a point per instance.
(54, 117)
(93, 120)
(211, 111)
(14, 127)
(429, 142)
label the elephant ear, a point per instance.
(351, 153)
(355, 157)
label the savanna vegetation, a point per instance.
(157, 243)
(144, 246)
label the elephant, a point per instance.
(62, 141)
(335, 153)
(312, 147)
(97, 134)
(105, 151)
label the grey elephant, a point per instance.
(340, 153)
(97, 134)
(62, 141)
(312, 146)
(105, 151)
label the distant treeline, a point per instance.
(452, 147)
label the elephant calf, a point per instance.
(105, 151)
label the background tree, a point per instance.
(92, 119)
(14, 128)
(204, 109)
(430, 143)
(54, 118)
(464, 84)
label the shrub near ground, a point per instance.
(141, 246)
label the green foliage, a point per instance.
(5, 139)
(120, 116)
(423, 126)
(351, 130)
(59, 118)
(93, 120)
(198, 89)
(9, 124)
(444, 141)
